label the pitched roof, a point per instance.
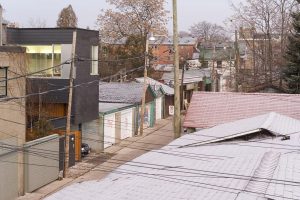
(121, 92)
(105, 108)
(162, 40)
(224, 171)
(190, 76)
(167, 89)
(208, 109)
(274, 123)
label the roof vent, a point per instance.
(285, 137)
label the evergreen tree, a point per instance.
(292, 72)
(67, 18)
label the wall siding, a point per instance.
(91, 135)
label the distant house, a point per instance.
(220, 58)
(193, 80)
(50, 47)
(252, 158)
(210, 109)
(162, 51)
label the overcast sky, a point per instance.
(189, 11)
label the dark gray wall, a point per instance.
(39, 36)
(35, 85)
(85, 97)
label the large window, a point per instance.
(219, 64)
(94, 62)
(3, 81)
(44, 57)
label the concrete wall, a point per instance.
(8, 171)
(42, 156)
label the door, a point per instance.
(109, 130)
(126, 123)
(62, 151)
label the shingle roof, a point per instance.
(167, 89)
(224, 171)
(121, 92)
(208, 109)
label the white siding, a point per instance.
(109, 130)
(127, 123)
(158, 108)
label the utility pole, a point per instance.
(182, 91)
(145, 88)
(213, 82)
(68, 128)
(237, 61)
(177, 117)
(1, 26)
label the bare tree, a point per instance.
(209, 32)
(132, 17)
(37, 23)
(266, 25)
(67, 18)
(184, 34)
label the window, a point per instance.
(3, 81)
(204, 64)
(219, 64)
(42, 57)
(94, 63)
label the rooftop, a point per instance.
(261, 169)
(120, 92)
(109, 107)
(208, 109)
(190, 76)
(169, 40)
(167, 89)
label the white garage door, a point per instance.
(109, 130)
(158, 108)
(126, 123)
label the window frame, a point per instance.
(6, 81)
(94, 68)
(219, 63)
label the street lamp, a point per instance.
(149, 37)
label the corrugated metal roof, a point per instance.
(121, 92)
(208, 109)
(167, 89)
(225, 171)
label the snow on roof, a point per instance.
(208, 109)
(162, 40)
(108, 107)
(190, 76)
(167, 89)
(258, 170)
(274, 123)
